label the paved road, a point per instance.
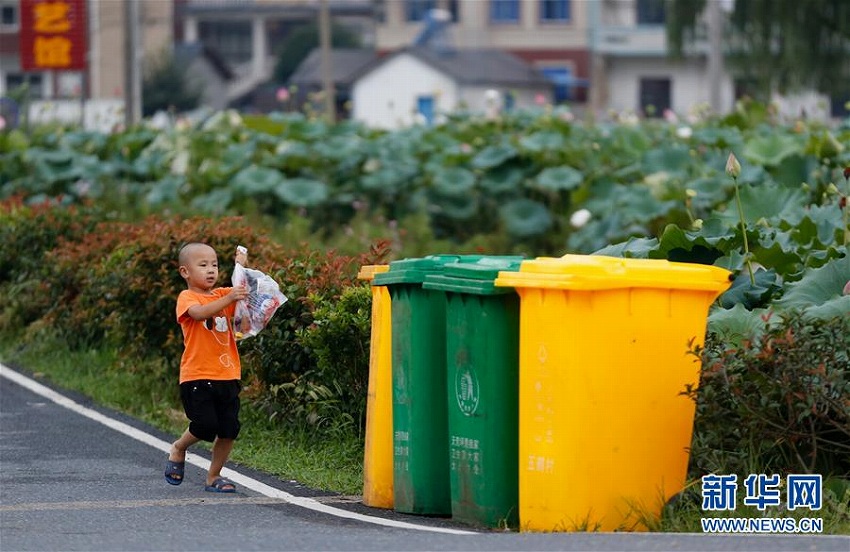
(77, 477)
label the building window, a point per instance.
(840, 106)
(654, 96)
(416, 10)
(562, 78)
(9, 16)
(231, 39)
(746, 88)
(650, 12)
(509, 100)
(554, 10)
(504, 11)
(16, 80)
(425, 107)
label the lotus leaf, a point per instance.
(631, 140)
(214, 202)
(555, 179)
(302, 192)
(133, 142)
(493, 156)
(751, 174)
(255, 180)
(165, 190)
(633, 248)
(543, 141)
(795, 169)
(672, 160)
(779, 251)
(634, 204)
(600, 232)
(525, 218)
(726, 138)
(818, 222)
(704, 246)
(61, 158)
(453, 181)
(339, 148)
(818, 285)
(505, 178)
(832, 308)
(288, 148)
(52, 167)
(766, 202)
(236, 156)
(770, 150)
(751, 295)
(151, 164)
(389, 179)
(710, 191)
(461, 207)
(86, 141)
(737, 324)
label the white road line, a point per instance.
(143, 503)
(203, 463)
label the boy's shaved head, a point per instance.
(190, 249)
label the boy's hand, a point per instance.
(237, 293)
(241, 255)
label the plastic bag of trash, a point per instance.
(264, 298)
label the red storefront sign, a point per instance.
(53, 35)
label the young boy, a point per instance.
(210, 369)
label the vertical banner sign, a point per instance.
(53, 35)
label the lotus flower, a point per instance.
(733, 167)
(580, 218)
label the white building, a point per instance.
(420, 84)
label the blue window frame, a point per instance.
(509, 100)
(504, 11)
(425, 107)
(416, 10)
(562, 78)
(555, 10)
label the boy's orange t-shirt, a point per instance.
(210, 351)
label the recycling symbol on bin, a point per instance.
(467, 391)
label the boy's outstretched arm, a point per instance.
(202, 312)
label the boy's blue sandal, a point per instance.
(174, 472)
(221, 485)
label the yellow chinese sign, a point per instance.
(53, 35)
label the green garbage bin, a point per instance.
(420, 419)
(420, 426)
(482, 358)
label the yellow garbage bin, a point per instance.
(378, 451)
(605, 356)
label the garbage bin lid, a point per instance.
(591, 272)
(414, 270)
(476, 277)
(367, 272)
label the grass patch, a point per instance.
(326, 463)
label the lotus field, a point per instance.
(538, 183)
(763, 197)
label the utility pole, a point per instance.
(132, 70)
(327, 69)
(715, 19)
